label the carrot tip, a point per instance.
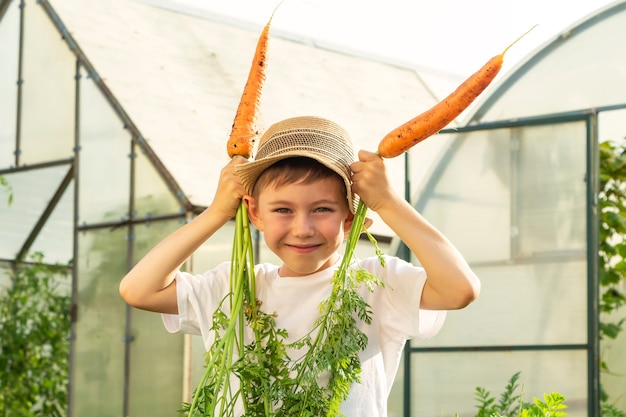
(520, 37)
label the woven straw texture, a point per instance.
(308, 136)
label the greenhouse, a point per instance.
(112, 135)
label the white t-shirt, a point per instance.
(396, 317)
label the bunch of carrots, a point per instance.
(248, 376)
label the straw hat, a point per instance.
(305, 136)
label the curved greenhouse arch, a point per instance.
(515, 190)
(581, 68)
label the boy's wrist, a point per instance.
(218, 215)
(392, 206)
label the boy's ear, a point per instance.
(347, 224)
(253, 212)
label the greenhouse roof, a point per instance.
(179, 78)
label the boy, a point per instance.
(301, 192)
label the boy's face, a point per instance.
(303, 224)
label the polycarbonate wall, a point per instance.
(515, 192)
(513, 200)
(582, 69)
(512, 196)
(66, 149)
(84, 191)
(45, 137)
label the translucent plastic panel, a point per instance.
(550, 189)
(55, 239)
(612, 126)
(469, 198)
(47, 125)
(32, 191)
(152, 196)
(99, 355)
(156, 376)
(443, 384)
(579, 71)
(395, 402)
(530, 304)
(149, 234)
(104, 159)
(515, 193)
(9, 43)
(156, 357)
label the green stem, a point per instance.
(342, 271)
(243, 303)
(353, 237)
(254, 308)
(228, 338)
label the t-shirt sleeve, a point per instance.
(198, 296)
(400, 300)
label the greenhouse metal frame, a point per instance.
(68, 145)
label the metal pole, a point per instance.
(593, 297)
(405, 253)
(20, 82)
(76, 216)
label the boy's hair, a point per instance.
(307, 136)
(295, 170)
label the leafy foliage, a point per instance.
(511, 404)
(34, 348)
(267, 381)
(612, 246)
(488, 406)
(7, 188)
(609, 410)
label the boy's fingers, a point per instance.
(238, 159)
(367, 156)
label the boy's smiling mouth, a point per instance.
(304, 248)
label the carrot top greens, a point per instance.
(259, 375)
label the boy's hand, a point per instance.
(370, 181)
(230, 190)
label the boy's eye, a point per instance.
(282, 210)
(323, 209)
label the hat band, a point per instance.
(300, 140)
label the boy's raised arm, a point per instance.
(450, 284)
(150, 284)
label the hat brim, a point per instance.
(250, 172)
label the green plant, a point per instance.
(267, 376)
(612, 245)
(488, 406)
(34, 347)
(609, 410)
(550, 407)
(511, 404)
(7, 187)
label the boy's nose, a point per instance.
(303, 226)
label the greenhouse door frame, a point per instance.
(592, 345)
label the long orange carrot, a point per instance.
(402, 138)
(245, 126)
